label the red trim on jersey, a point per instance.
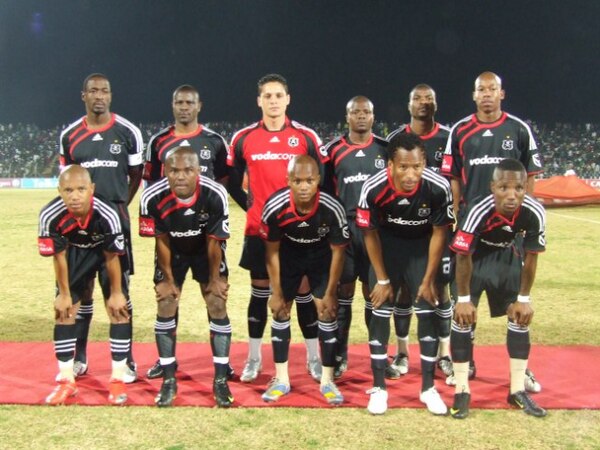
(462, 242)
(351, 149)
(490, 224)
(178, 202)
(363, 218)
(171, 138)
(46, 246)
(297, 217)
(147, 226)
(89, 131)
(425, 137)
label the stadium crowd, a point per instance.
(27, 150)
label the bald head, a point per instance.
(358, 99)
(72, 172)
(76, 190)
(488, 76)
(488, 96)
(302, 160)
(182, 152)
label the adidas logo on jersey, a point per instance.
(303, 224)
(185, 143)
(189, 212)
(404, 201)
(97, 137)
(274, 140)
(507, 228)
(360, 154)
(487, 133)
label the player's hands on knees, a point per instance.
(465, 314)
(427, 292)
(116, 306)
(218, 287)
(166, 289)
(63, 307)
(520, 313)
(380, 294)
(329, 306)
(277, 305)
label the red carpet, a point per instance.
(568, 375)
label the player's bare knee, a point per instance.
(346, 290)
(217, 307)
(167, 307)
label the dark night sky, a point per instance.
(546, 52)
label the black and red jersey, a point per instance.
(325, 225)
(475, 148)
(107, 153)
(210, 146)
(189, 222)
(99, 230)
(484, 229)
(409, 215)
(265, 155)
(350, 165)
(435, 143)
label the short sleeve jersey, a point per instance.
(474, 149)
(265, 156)
(187, 223)
(210, 146)
(59, 229)
(409, 215)
(352, 164)
(107, 153)
(484, 229)
(435, 143)
(325, 225)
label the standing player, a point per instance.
(188, 215)
(110, 147)
(83, 235)
(422, 106)
(350, 160)
(305, 233)
(263, 150)
(488, 260)
(478, 143)
(404, 213)
(210, 146)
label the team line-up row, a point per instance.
(318, 218)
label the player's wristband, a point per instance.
(523, 299)
(383, 282)
(463, 299)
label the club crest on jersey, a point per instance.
(322, 231)
(424, 212)
(507, 144)
(115, 149)
(205, 154)
(379, 163)
(203, 216)
(293, 141)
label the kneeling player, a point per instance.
(404, 213)
(188, 215)
(305, 233)
(488, 260)
(83, 234)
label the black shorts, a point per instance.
(84, 265)
(295, 263)
(405, 261)
(498, 273)
(198, 262)
(253, 258)
(356, 262)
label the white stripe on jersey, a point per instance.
(538, 210)
(440, 181)
(401, 129)
(476, 213)
(369, 185)
(67, 130)
(109, 214)
(218, 189)
(49, 215)
(532, 143)
(448, 149)
(335, 207)
(137, 158)
(309, 131)
(211, 131)
(151, 142)
(326, 148)
(151, 191)
(274, 203)
(243, 130)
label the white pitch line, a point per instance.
(574, 218)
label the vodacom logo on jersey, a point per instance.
(358, 178)
(270, 156)
(99, 163)
(485, 160)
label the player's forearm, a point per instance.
(135, 178)
(272, 263)
(61, 273)
(464, 270)
(234, 187)
(336, 268)
(436, 248)
(163, 256)
(530, 184)
(113, 269)
(214, 257)
(373, 245)
(528, 273)
(455, 186)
